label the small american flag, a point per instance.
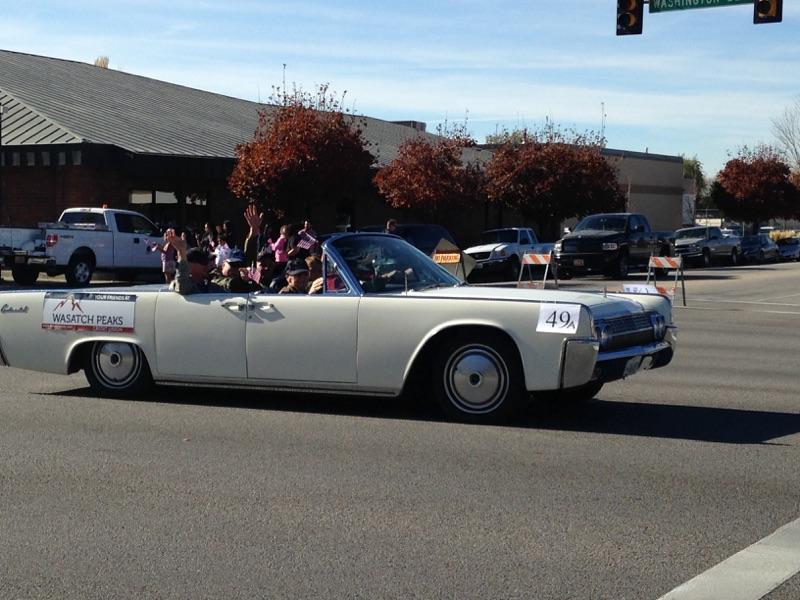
(306, 242)
(255, 274)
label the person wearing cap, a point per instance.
(233, 275)
(296, 274)
(193, 268)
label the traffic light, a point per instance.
(767, 11)
(630, 14)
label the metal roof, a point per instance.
(55, 101)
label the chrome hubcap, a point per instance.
(116, 364)
(82, 272)
(476, 379)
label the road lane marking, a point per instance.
(757, 312)
(779, 297)
(749, 574)
(746, 302)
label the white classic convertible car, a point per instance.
(387, 316)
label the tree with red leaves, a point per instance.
(429, 177)
(305, 151)
(550, 175)
(755, 186)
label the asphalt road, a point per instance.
(217, 494)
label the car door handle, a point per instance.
(265, 306)
(234, 306)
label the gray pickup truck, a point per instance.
(705, 245)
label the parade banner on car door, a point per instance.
(89, 312)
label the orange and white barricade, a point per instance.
(533, 259)
(667, 262)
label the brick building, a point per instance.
(74, 134)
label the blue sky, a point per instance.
(697, 82)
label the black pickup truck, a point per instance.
(610, 244)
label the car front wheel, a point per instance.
(705, 260)
(478, 378)
(117, 369)
(622, 269)
(734, 257)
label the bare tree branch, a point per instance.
(786, 129)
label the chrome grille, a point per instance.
(629, 330)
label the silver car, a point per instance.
(705, 245)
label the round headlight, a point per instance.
(603, 333)
(659, 326)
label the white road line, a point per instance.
(750, 574)
(779, 297)
(745, 302)
(758, 312)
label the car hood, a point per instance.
(689, 241)
(486, 248)
(601, 305)
(595, 234)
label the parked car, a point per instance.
(610, 244)
(704, 245)
(425, 236)
(387, 316)
(82, 241)
(789, 248)
(501, 250)
(759, 248)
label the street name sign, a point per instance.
(657, 6)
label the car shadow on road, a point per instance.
(326, 404)
(704, 424)
(699, 423)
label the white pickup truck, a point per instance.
(501, 250)
(84, 240)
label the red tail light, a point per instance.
(51, 240)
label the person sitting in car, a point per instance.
(297, 279)
(234, 275)
(193, 268)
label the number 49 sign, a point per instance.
(559, 318)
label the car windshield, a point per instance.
(384, 264)
(499, 236)
(694, 232)
(602, 223)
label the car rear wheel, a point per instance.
(117, 369)
(80, 270)
(24, 275)
(478, 378)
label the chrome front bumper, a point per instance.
(582, 362)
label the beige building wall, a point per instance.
(654, 186)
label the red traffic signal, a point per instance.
(767, 11)
(630, 14)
